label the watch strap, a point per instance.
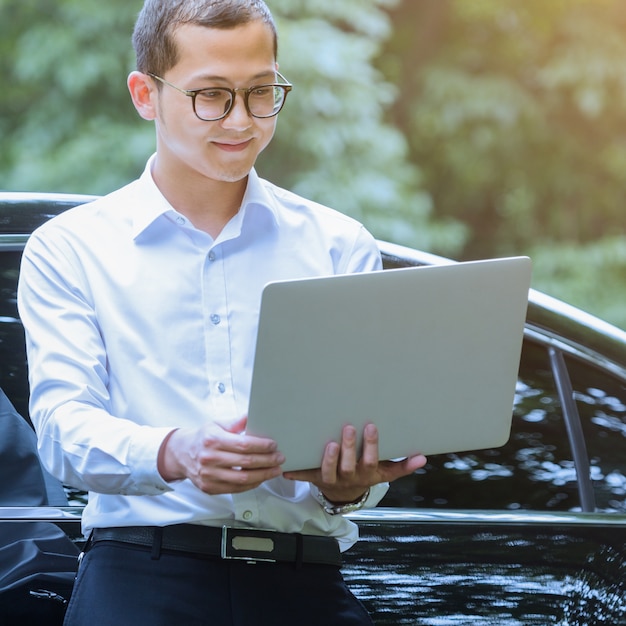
(340, 509)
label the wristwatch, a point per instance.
(339, 509)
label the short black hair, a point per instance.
(158, 20)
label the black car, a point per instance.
(529, 533)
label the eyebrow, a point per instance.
(221, 79)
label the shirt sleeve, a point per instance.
(364, 256)
(80, 442)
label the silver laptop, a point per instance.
(429, 354)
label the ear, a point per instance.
(143, 93)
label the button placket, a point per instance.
(217, 335)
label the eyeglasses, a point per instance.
(215, 103)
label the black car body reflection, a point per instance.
(462, 568)
(530, 533)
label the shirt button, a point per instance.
(221, 387)
(180, 220)
(211, 256)
(215, 319)
(247, 515)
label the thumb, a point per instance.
(237, 427)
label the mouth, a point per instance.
(234, 146)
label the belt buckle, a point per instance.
(247, 544)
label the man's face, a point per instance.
(223, 150)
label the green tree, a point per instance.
(68, 123)
(470, 129)
(515, 112)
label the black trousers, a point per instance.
(124, 585)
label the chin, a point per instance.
(231, 176)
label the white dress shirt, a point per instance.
(138, 323)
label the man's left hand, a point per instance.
(343, 477)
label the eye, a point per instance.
(213, 94)
(263, 91)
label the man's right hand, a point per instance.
(219, 459)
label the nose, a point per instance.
(238, 117)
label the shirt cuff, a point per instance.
(144, 453)
(377, 493)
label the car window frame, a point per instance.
(575, 435)
(558, 348)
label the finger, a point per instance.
(231, 480)
(392, 470)
(237, 427)
(369, 457)
(348, 455)
(307, 476)
(227, 450)
(330, 462)
(415, 462)
(252, 461)
(249, 454)
(242, 444)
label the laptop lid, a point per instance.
(429, 354)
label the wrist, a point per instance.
(333, 507)
(344, 499)
(166, 461)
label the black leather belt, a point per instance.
(228, 542)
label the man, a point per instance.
(141, 312)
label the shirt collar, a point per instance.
(257, 195)
(152, 204)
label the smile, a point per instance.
(233, 147)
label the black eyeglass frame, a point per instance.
(192, 93)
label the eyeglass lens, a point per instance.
(262, 101)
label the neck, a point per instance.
(208, 204)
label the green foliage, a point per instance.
(332, 145)
(68, 123)
(470, 128)
(520, 106)
(591, 276)
(515, 112)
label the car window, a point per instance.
(533, 471)
(13, 372)
(35, 486)
(601, 402)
